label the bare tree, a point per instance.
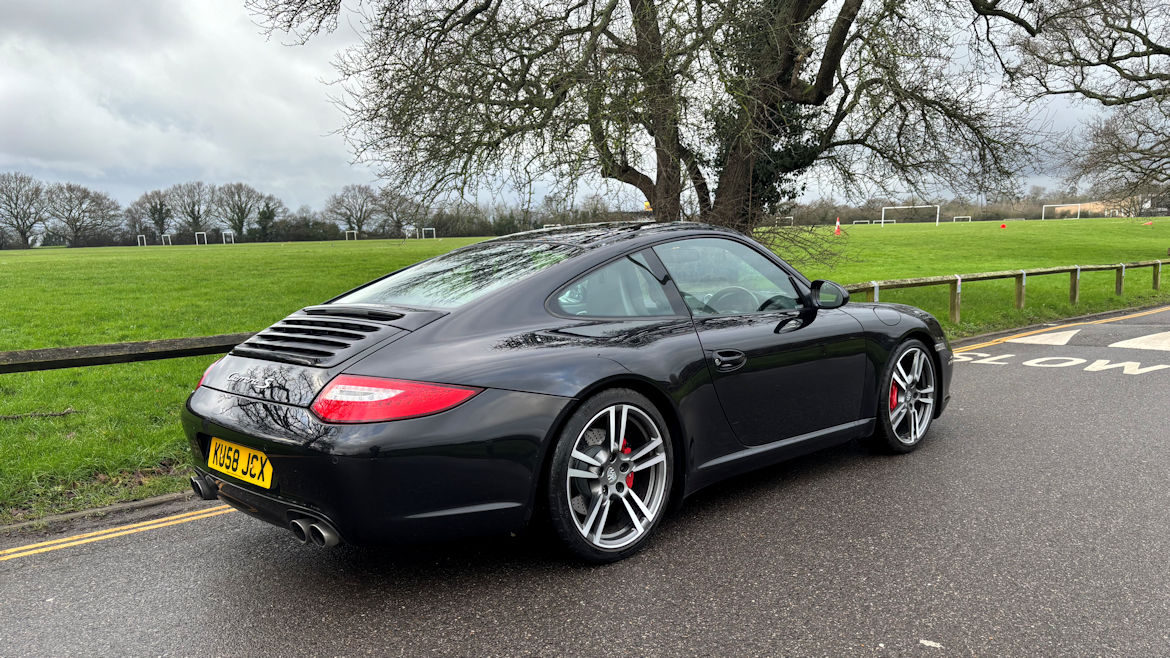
(22, 206)
(728, 103)
(79, 215)
(237, 204)
(353, 207)
(396, 210)
(1114, 52)
(192, 204)
(1124, 157)
(151, 209)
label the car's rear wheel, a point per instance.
(610, 476)
(906, 400)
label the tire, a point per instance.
(610, 478)
(906, 399)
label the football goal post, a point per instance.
(861, 221)
(228, 236)
(964, 218)
(433, 235)
(166, 239)
(199, 233)
(1044, 209)
(349, 233)
(141, 240)
(884, 221)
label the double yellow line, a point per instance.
(1004, 339)
(110, 533)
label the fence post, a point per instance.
(956, 298)
(1119, 287)
(1157, 275)
(1021, 284)
(873, 294)
(1074, 286)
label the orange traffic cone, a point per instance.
(837, 231)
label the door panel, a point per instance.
(792, 382)
(781, 367)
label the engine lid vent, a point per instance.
(310, 337)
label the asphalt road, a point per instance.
(1035, 521)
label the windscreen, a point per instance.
(461, 276)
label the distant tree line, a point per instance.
(36, 213)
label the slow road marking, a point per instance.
(110, 533)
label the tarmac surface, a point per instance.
(1034, 521)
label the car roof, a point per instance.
(592, 236)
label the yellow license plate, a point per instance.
(239, 462)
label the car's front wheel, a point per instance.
(610, 476)
(906, 399)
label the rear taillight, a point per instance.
(356, 399)
(207, 371)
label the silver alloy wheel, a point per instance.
(912, 396)
(616, 484)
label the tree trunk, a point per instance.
(732, 207)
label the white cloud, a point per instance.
(129, 96)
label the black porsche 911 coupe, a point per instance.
(597, 374)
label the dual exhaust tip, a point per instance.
(304, 529)
(320, 533)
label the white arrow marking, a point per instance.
(1053, 338)
(1160, 342)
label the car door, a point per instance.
(781, 367)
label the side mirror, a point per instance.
(826, 294)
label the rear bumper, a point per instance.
(471, 470)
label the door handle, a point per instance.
(728, 360)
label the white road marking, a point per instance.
(1100, 365)
(928, 643)
(1053, 338)
(1160, 342)
(995, 360)
(1054, 362)
(1128, 367)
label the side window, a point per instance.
(723, 277)
(625, 288)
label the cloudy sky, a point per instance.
(129, 96)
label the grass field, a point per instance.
(121, 439)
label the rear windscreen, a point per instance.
(461, 276)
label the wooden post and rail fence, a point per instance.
(152, 350)
(955, 281)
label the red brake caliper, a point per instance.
(629, 478)
(893, 395)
